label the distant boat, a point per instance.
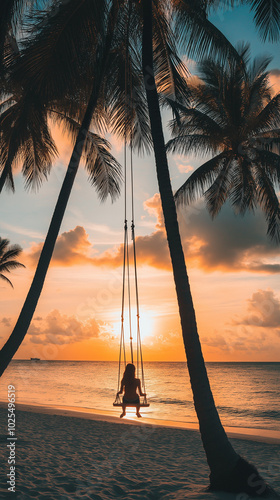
(35, 359)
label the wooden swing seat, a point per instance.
(132, 405)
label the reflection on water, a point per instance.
(246, 394)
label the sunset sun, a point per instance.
(146, 325)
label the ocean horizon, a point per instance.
(246, 393)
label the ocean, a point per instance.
(246, 394)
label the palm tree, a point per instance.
(222, 459)
(25, 135)
(24, 132)
(93, 31)
(8, 262)
(95, 76)
(228, 470)
(234, 117)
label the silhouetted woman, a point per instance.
(130, 385)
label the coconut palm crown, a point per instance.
(234, 117)
(8, 255)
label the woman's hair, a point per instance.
(129, 374)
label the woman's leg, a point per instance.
(123, 413)
(138, 411)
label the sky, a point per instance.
(233, 267)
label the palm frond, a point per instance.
(61, 46)
(243, 191)
(267, 18)
(267, 141)
(198, 34)
(270, 163)
(200, 180)
(194, 121)
(216, 195)
(8, 252)
(126, 99)
(104, 170)
(259, 67)
(268, 201)
(4, 243)
(269, 117)
(3, 277)
(197, 144)
(25, 138)
(9, 265)
(170, 71)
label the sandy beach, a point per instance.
(62, 454)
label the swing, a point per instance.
(126, 287)
(139, 360)
(126, 281)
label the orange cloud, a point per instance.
(60, 329)
(229, 243)
(6, 321)
(253, 335)
(72, 248)
(263, 309)
(152, 250)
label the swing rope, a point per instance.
(126, 264)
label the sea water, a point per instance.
(246, 394)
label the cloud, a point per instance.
(6, 321)
(72, 248)
(263, 310)
(60, 329)
(182, 163)
(152, 250)
(184, 169)
(229, 243)
(255, 334)
(217, 341)
(21, 230)
(241, 341)
(274, 78)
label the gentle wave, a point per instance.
(171, 401)
(252, 413)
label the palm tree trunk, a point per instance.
(222, 459)
(25, 317)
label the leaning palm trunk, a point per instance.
(25, 317)
(227, 468)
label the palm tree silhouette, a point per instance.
(104, 171)
(148, 17)
(234, 116)
(94, 72)
(8, 256)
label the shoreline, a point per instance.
(268, 436)
(66, 453)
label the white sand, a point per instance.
(62, 454)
